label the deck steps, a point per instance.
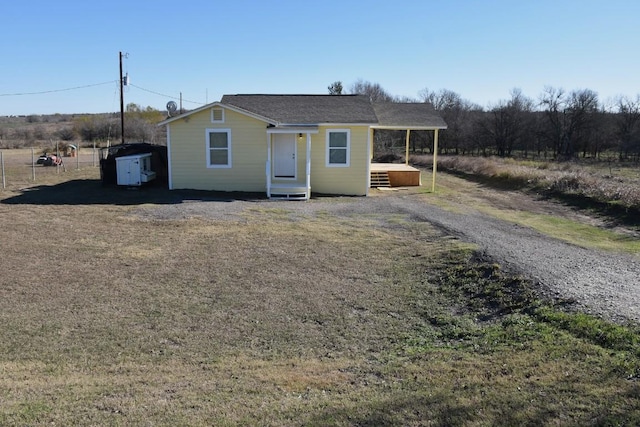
(380, 179)
(288, 192)
(289, 196)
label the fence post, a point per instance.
(4, 182)
(78, 157)
(33, 165)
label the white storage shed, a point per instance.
(134, 170)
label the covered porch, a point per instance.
(401, 174)
(404, 117)
(288, 167)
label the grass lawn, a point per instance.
(110, 317)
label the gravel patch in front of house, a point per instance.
(604, 284)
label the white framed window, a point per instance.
(217, 115)
(338, 147)
(218, 148)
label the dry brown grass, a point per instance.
(20, 167)
(109, 314)
(605, 183)
(111, 317)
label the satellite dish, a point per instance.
(172, 107)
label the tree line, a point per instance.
(558, 124)
(140, 125)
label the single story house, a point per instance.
(285, 145)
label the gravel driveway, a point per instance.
(602, 283)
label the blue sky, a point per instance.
(204, 49)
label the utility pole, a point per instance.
(121, 101)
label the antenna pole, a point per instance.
(121, 101)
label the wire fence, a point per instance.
(28, 166)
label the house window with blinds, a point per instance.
(338, 147)
(219, 148)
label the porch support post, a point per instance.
(308, 167)
(371, 135)
(370, 148)
(435, 160)
(406, 148)
(268, 165)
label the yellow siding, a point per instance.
(248, 153)
(340, 180)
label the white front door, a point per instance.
(284, 155)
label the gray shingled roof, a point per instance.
(300, 110)
(306, 109)
(409, 115)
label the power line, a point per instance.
(58, 90)
(43, 92)
(166, 96)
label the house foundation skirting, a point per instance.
(289, 192)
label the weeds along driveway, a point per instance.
(602, 283)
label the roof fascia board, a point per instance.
(190, 113)
(408, 127)
(213, 105)
(347, 124)
(293, 129)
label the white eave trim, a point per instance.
(213, 105)
(400, 127)
(293, 129)
(343, 125)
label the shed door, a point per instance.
(128, 171)
(284, 155)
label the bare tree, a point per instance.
(507, 125)
(66, 134)
(40, 132)
(140, 123)
(628, 126)
(522, 108)
(553, 102)
(375, 92)
(583, 112)
(442, 100)
(570, 119)
(456, 112)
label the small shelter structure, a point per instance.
(134, 164)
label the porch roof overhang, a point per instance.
(292, 129)
(408, 117)
(407, 127)
(418, 115)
